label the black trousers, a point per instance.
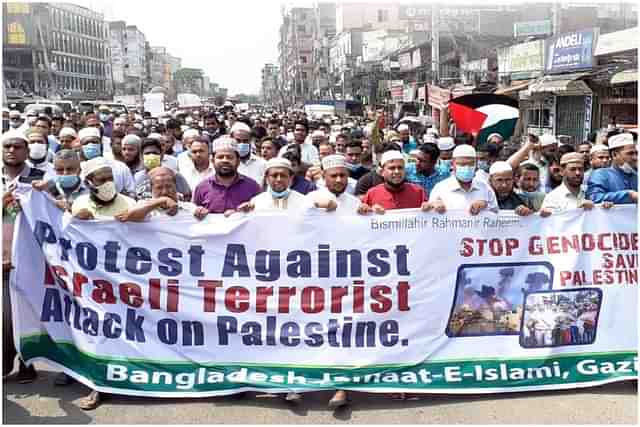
(8, 346)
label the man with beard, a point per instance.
(548, 147)
(463, 190)
(501, 181)
(395, 192)
(554, 177)
(570, 194)
(116, 145)
(174, 138)
(374, 177)
(408, 142)
(618, 183)
(598, 158)
(212, 126)
(201, 167)
(131, 153)
(528, 180)
(66, 137)
(227, 189)
(333, 195)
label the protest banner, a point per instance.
(405, 302)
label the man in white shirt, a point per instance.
(250, 165)
(334, 195)
(279, 195)
(570, 194)
(38, 152)
(184, 158)
(200, 163)
(463, 190)
(309, 153)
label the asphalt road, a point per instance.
(42, 403)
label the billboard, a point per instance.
(570, 51)
(531, 28)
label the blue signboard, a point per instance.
(570, 51)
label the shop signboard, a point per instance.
(405, 61)
(531, 28)
(521, 61)
(570, 51)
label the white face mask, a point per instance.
(37, 151)
(627, 168)
(107, 191)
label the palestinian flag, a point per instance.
(482, 114)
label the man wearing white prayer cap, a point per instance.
(66, 137)
(250, 165)
(599, 157)
(570, 194)
(501, 181)
(332, 193)
(408, 142)
(618, 183)
(445, 159)
(15, 120)
(496, 138)
(461, 191)
(395, 192)
(279, 195)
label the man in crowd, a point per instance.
(445, 146)
(300, 184)
(333, 195)
(116, 146)
(497, 139)
(570, 194)
(105, 120)
(90, 140)
(183, 160)
(341, 143)
(227, 189)
(461, 190)
(15, 120)
(39, 151)
(250, 165)
(353, 155)
(65, 185)
(407, 141)
(120, 124)
(395, 192)
(374, 177)
(423, 171)
(528, 183)
(487, 155)
(598, 158)
(501, 181)
(201, 167)
(151, 159)
(278, 196)
(325, 149)
(66, 136)
(174, 138)
(618, 183)
(317, 137)
(308, 152)
(273, 131)
(164, 199)
(131, 155)
(212, 126)
(15, 168)
(269, 148)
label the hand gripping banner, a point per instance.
(402, 302)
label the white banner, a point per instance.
(460, 304)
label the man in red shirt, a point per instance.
(395, 192)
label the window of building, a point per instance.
(383, 15)
(16, 34)
(301, 28)
(304, 74)
(18, 8)
(303, 59)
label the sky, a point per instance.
(230, 40)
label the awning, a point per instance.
(515, 86)
(626, 76)
(564, 84)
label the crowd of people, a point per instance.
(132, 166)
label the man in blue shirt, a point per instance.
(619, 183)
(423, 172)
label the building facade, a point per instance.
(56, 50)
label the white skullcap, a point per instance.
(391, 155)
(495, 134)
(432, 131)
(68, 132)
(402, 127)
(571, 158)
(620, 140)
(183, 128)
(446, 143)
(317, 133)
(188, 120)
(190, 133)
(334, 161)
(430, 139)
(464, 150)
(155, 135)
(240, 126)
(88, 133)
(90, 166)
(499, 167)
(14, 134)
(279, 162)
(546, 140)
(14, 114)
(225, 143)
(132, 139)
(598, 148)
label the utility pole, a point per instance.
(555, 14)
(435, 43)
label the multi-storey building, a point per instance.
(295, 52)
(270, 92)
(56, 50)
(129, 59)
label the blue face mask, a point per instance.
(465, 173)
(279, 194)
(444, 165)
(353, 166)
(484, 165)
(68, 182)
(244, 149)
(103, 117)
(91, 150)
